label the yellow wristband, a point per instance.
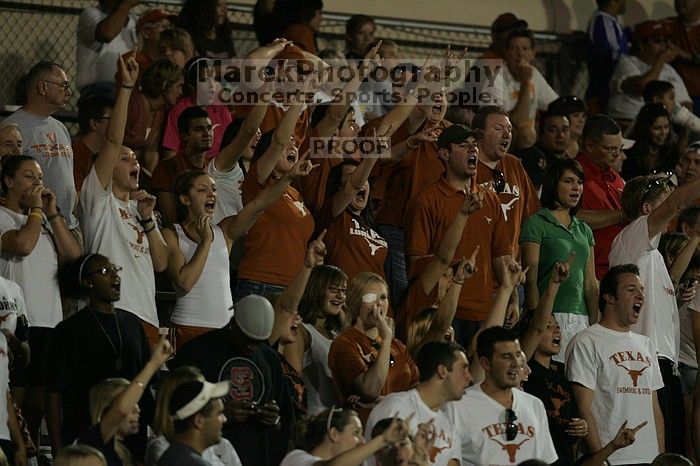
(37, 215)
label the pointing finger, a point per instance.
(475, 253)
(636, 429)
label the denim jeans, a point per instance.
(395, 265)
(248, 287)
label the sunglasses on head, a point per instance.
(654, 183)
(511, 428)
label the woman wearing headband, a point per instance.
(98, 342)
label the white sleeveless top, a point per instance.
(320, 391)
(208, 304)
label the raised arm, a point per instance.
(679, 199)
(371, 382)
(107, 157)
(356, 181)
(125, 402)
(112, 25)
(228, 156)
(429, 277)
(291, 296)
(623, 438)
(184, 274)
(238, 225)
(280, 140)
(530, 252)
(591, 288)
(584, 400)
(157, 247)
(599, 219)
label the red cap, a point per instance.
(506, 22)
(153, 16)
(649, 29)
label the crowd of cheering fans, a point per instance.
(492, 284)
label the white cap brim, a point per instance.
(627, 143)
(209, 391)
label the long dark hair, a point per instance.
(309, 432)
(314, 298)
(668, 152)
(181, 185)
(550, 185)
(198, 17)
(335, 184)
(10, 166)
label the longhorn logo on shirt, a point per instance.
(435, 451)
(558, 396)
(634, 374)
(139, 233)
(374, 240)
(53, 149)
(511, 448)
(631, 356)
(506, 207)
(298, 204)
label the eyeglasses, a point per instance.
(331, 411)
(611, 149)
(65, 85)
(511, 428)
(499, 180)
(337, 289)
(106, 270)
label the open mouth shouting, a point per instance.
(637, 309)
(134, 175)
(209, 206)
(471, 161)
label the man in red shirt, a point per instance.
(602, 146)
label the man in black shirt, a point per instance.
(259, 407)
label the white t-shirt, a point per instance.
(622, 369)
(11, 304)
(480, 421)
(403, 404)
(97, 61)
(299, 458)
(208, 303)
(35, 273)
(687, 353)
(320, 391)
(228, 186)
(4, 387)
(111, 228)
(659, 317)
(626, 106)
(541, 92)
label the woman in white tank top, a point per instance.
(321, 309)
(198, 251)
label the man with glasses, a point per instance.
(650, 205)
(46, 91)
(602, 146)
(652, 53)
(430, 213)
(499, 423)
(615, 373)
(94, 115)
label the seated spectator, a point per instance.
(201, 89)
(524, 88)
(161, 87)
(98, 342)
(651, 54)
(198, 250)
(654, 150)
(209, 27)
(34, 237)
(260, 405)
(94, 113)
(359, 34)
(115, 412)
(321, 311)
(438, 205)
(10, 141)
(684, 32)
(664, 92)
(444, 376)
(301, 22)
(198, 418)
(603, 377)
(554, 135)
(285, 227)
(501, 27)
(104, 33)
(575, 110)
(602, 146)
(366, 360)
(117, 217)
(221, 454)
(608, 41)
(79, 455)
(336, 435)
(500, 424)
(555, 235)
(44, 91)
(176, 45)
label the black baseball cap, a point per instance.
(457, 134)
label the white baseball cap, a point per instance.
(190, 397)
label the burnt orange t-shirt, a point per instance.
(519, 198)
(381, 171)
(83, 159)
(302, 36)
(687, 38)
(352, 353)
(313, 186)
(409, 176)
(350, 244)
(415, 301)
(275, 246)
(273, 117)
(165, 172)
(429, 216)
